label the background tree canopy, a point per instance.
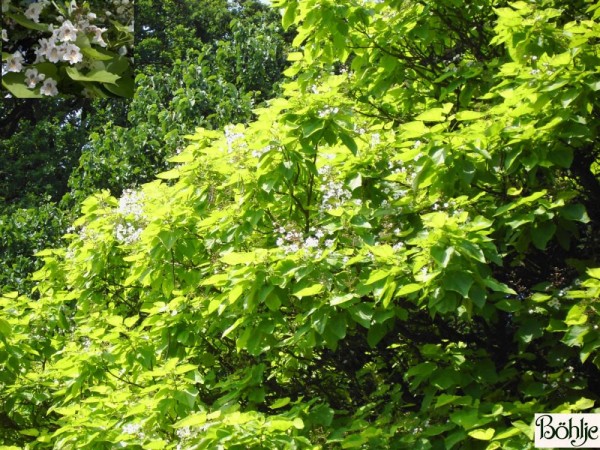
(396, 248)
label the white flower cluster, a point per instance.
(328, 111)
(436, 206)
(359, 130)
(398, 246)
(258, 153)
(86, 343)
(184, 433)
(133, 428)
(334, 195)
(395, 190)
(60, 46)
(131, 209)
(396, 167)
(123, 7)
(554, 303)
(127, 233)
(86, 234)
(455, 59)
(34, 10)
(132, 203)
(324, 171)
(375, 139)
(292, 241)
(231, 136)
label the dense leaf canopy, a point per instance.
(398, 251)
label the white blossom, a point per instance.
(55, 53)
(34, 10)
(131, 208)
(15, 62)
(311, 242)
(325, 170)
(72, 6)
(43, 47)
(375, 139)
(67, 32)
(397, 246)
(231, 137)
(4, 36)
(127, 233)
(72, 54)
(131, 203)
(49, 87)
(97, 38)
(131, 428)
(32, 77)
(359, 130)
(183, 433)
(334, 194)
(328, 111)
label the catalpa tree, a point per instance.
(400, 252)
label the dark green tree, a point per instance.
(219, 62)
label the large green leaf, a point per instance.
(15, 83)
(98, 55)
(100, 76)
(460, 282)
(24, 21)
(5, 328)
(308, 291)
